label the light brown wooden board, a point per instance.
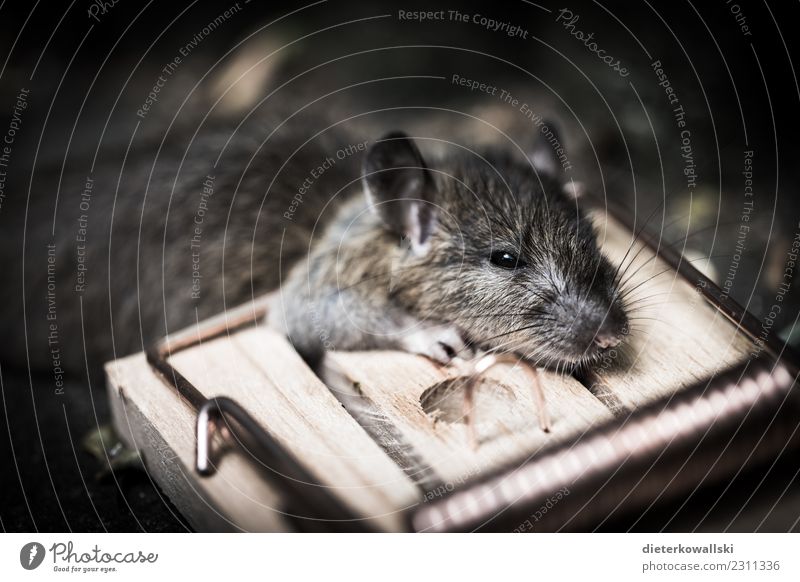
(262, 372)
(152, 420)
(677, 338)
(689, 341)
(506, 419)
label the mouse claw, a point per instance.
(469, 417)
(479, 367)
(441, 343)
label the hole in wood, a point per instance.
(495, 405)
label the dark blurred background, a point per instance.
(86, 68)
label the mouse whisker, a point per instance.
(670, 324)
(630, 277)
(626, 293)
(502, 348)
(666, 245)
(703, 258)
(625, 277)
(685, 237)
(513, 331)
(531, 311)
(647, 307)
(640, 230)
(619, 278)
(628, 304)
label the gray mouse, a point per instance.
(473, 250)
(370, 246)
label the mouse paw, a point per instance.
(440, 343)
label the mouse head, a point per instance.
(497, 248)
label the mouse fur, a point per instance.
(385, 249)
(409, 264)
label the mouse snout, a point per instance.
(606, 337)
(607, 325)
(590, 324)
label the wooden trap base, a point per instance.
(410, 405)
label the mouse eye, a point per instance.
(506, 260)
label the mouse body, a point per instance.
(368, 244)
(474, 250)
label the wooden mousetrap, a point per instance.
(242, 435)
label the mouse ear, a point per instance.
(399, 188)
(547, 153)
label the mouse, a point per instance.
(367, 244)
(475, 250)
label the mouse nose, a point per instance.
(606, 339)
(609, 332)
